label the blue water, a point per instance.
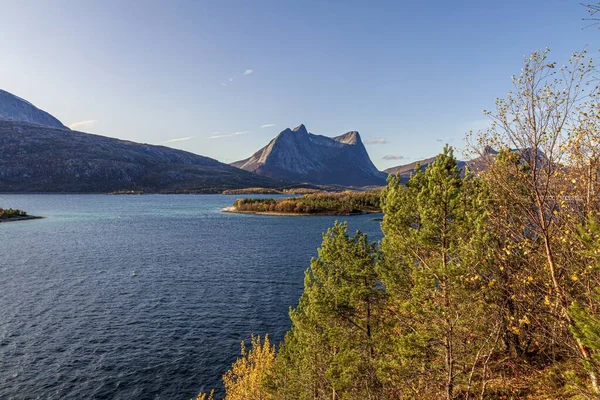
(75, 322)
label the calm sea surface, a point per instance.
(76, 322)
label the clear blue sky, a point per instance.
(408, 75)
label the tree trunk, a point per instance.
(564, 303)
(449, 329)
(449, 351)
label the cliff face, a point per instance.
(14, 108)
(35, 158)
(300, 156)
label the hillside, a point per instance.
(35, 158)
(478, 163)
(407, 169)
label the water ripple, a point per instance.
(75, 323)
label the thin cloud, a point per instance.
(376, 141)
(480, 124)
(218, 135)
(393, 157)
(83, 124)
(177, 139)
(267, 125)
(228, 82)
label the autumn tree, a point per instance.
(248, 376)
(592, 10)
(206, 396)
(531, 129)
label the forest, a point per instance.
(484, 286)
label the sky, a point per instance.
(221, 78)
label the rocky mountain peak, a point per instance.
(300, 156)
(300, 129)
(352, 137)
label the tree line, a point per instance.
(484, 286)
(6, 213)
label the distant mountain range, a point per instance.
(40, 154)
(35, 158)
(404, 171)
(475, 165)
(299, 156)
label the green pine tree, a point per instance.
(433, 231)
(331, 349)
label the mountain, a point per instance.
(299, 156)
(477, 164)
(36, 158)
(14, 108)
(407, 169)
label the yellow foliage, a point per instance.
(524, 321)
(245, 378)
(202, 396)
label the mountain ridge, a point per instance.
(39, 154)
(300, 156)
(36, 158)
(15, 108)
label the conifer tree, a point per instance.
(331, 349)
(585, 310)
(432, 234)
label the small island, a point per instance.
(127, 192)
(253, 190)
(259, 190)
(11, 214)
(343, 203)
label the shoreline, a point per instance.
(233, 210)
(17, 219)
